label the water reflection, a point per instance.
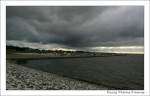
(21, 61)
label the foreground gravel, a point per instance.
(23, 78)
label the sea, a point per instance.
(125, 72)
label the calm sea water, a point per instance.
(116, 72)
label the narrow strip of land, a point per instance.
(54, 56)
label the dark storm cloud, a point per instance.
(77, 26)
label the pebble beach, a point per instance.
(24, 78)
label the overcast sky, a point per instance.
(76, 26)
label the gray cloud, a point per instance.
(78, 26)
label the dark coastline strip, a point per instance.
(30, 57)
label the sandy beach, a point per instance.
(23, 78)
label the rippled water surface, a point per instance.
(116, 72)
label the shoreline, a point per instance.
(24, 78)
(24, 56)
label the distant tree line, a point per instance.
(30, 50)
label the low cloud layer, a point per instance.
(76, 26)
